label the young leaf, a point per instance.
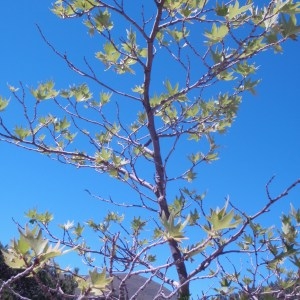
(110, 54)
(105, 98)
(81, 92)
(3, 103)
(103, 21)
(235, 10)
(216, 34)
(44, 91)
(22, 133)
(289, 28)
(245, 69)
(220, 219)
(13, 260)
(99, 281)
(221, 10)
(138, 89)
(250, 85)
(190, 176)
(173, 231)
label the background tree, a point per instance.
(211, 46)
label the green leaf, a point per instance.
(173, 231)
(110, 54)
(34, 216)
(220, 219)
(105, 98)
(178, 35)
(78, 230)
(194, 158)
(272, 38)
(295, 260)
(194, 217)
(103, 21)
(31, 248)
(224, 75)
(217, 56)
(191, 111)
(151, 258)
(177, 206)
(118, 161)
(114, 173)
(143, 52)
(156, 100)
(295, 213)
(289, 27)
(221, 10)
(171, 90)
(172, 5)
(62, 125)
(36, 242)
(22, 133)
(245, 69)
(253, 46)
(3, 103)
(141, 117)
(235, 10)
(97, 282)
(12, 88)
(115, 217)
(81, 92)
(287, 7)
(103, 137)
(13, 260)
(161, 38)
(250, 85)
(137, 224)
(44, 91)
(279, 258)
(66, 10)
(190, 176)
(211, 157)
(103, 156)
(285, 284)
(216, 34)
(22, 245)
(138, 89)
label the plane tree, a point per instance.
(168, 74)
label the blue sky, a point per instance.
(264, 140)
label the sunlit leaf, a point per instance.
(173, 231)
(235, 10)
(22, 133)
(45, 91)
(220, 219)
(81, 92)
(3, 103)
(216, 34)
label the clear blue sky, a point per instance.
(263, 141)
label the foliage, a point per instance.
(34, 287)
(212, 46)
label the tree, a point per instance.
(211, 46)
